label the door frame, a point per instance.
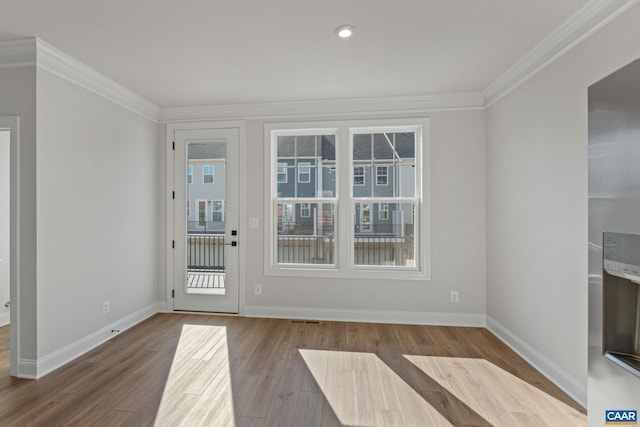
(167, 197)
(12, 123)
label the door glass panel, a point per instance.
(205, 246)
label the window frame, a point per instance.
(189, 174)
(344, 202)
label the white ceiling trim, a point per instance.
(59, 63)
(18, 53)
(589, 19)
(333, 107)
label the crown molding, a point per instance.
(333, 107)
(589, 19)
(18, 53)
(59, 63)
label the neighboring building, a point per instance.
(206, 188)
(384, 167)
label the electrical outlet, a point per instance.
(455, 296)
(105, 307)
(257, 289)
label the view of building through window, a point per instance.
(381, 166)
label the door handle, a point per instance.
(234, 243)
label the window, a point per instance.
(382, 223)
(217, 210)
(190, 175)
(382, 175)
(383, 212)
(282, 173)
(358, 175)
(304, 172)
(207, 174)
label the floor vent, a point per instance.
(305, 322)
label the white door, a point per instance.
(206, 220)
(4, 226)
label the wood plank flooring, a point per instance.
(206, 370)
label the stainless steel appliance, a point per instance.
(614, 245)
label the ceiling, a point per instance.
(215, 52)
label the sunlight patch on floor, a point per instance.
(363, 391)
(198, 389)
(498, 396)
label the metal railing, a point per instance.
(368, 249)
(305, 249)
(383, 250)
(205, 252)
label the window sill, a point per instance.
(355, 273)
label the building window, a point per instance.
(305, 210)
(282, 173)
(190, 175)
(382, 225)
(382, 175)
(383, 212)
(207, 174)
(304, 172)
(217, 210)
(358, 175)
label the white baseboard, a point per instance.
(5, 318)
(56, 359)
(367, 316)
(27, 369)
(546, 367)
(162, 307)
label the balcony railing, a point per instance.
(205, 252)
(368, 249)
(305, 249)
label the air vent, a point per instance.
(305, 322)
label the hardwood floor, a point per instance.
(191, 370)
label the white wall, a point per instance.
(18, 95)
(4, 225)
(457, 240)
(97, 217)
(537, 203)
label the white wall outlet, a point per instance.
(257, 289)
(253, 222)
(105, 307)
(455, 296)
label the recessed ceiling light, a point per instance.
(345, 31)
